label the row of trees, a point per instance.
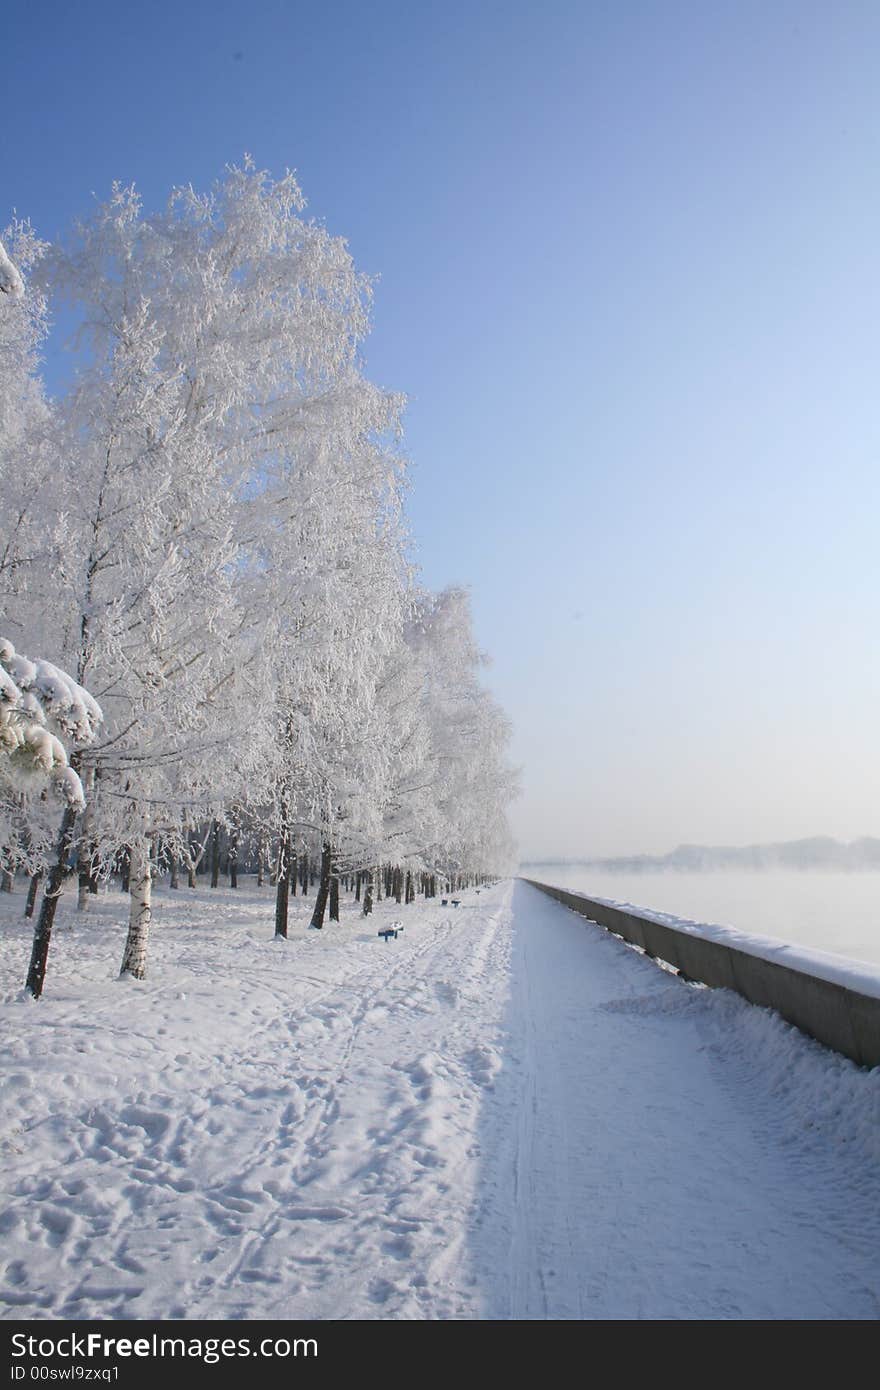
(206, 530)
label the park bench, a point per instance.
(394, 930)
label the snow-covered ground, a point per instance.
(504, 1113)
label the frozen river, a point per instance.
(837, 912)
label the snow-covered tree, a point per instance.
(38, 703)
(137, 595)
(25, 458)
(11, 283)
(231, 505)
(207, 528)
(469, 733)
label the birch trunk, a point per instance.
(233, 855)
(33, 888)
(323, 888)
(54, 889)
(10, 858)
(334, 894)
(86, 848)
(282, 889)
(215, 855)
(134, 960)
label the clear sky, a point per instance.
(629, 257)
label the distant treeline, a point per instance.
(820, 852)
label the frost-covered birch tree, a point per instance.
(39, 702)
(26, 459)
(472, 781)
(137, 595)
(208, 530)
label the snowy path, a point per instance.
(676, 1153)
(504, 1113)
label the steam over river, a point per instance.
(837, 912)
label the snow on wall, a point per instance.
(860, 976)
(832, 999)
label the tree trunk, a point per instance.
(33, 888)
(368, 892)
(134, 960)
(83, 881)
(84, 867)
(357, 885)
(304, 875)
(54, 889)
(186, 854)
(282, 888)
(94, 857)
(175, 871)
(233, 855)
(294, 870)
(215, 854)
(334, 895)
(9, 859)
(323, 887)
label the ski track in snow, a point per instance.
(505, 1113)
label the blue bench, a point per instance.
(394, 931)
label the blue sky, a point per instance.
(628, 258)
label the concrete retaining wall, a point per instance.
(831, 1013)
